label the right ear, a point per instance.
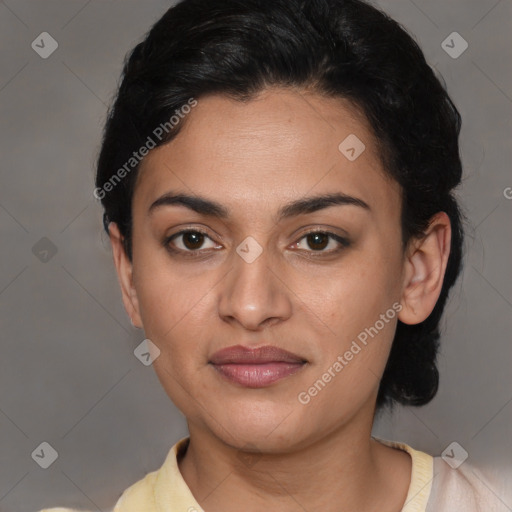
(124, 270)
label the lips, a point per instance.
(256, 367)
(239, 354)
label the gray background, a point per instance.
(68, 375)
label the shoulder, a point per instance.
(139, 496)
(463, 489)
(436, 486)
(62, 509)
(164, 485)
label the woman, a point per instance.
(277, 178)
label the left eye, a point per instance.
(320, 240)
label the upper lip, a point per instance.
(238, 354)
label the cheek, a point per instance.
(353, 296)
(359, 306)
(174, 307)
(349, 373)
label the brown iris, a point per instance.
(193, 239)
(318, 239)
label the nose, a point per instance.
(254, 294)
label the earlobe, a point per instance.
(124, 271)
(425, 267)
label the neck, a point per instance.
(344, 470)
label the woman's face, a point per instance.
(254, 278)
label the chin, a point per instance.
(272, 428)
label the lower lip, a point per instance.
(257, 375)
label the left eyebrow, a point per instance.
(211, 208)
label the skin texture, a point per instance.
(253, 158)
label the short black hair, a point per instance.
(337, 48)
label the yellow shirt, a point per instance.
(434, 487)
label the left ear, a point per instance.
(425, 266)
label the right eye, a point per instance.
(188, 242)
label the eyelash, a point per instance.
(344, 243)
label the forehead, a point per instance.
(277, 146)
